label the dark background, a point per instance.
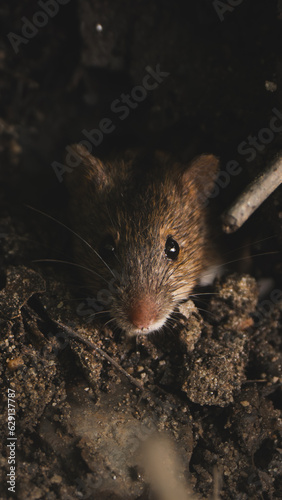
(67, 75)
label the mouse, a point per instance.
(142, 234)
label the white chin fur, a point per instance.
(145, 331)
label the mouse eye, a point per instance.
(107, 248)
(171, 248)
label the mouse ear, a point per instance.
(85, 168)
(201, 172)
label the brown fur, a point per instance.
(140, 203)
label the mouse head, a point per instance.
(142, 232)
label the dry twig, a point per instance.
(76, 336)
(253, 196)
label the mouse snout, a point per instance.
(143, 313)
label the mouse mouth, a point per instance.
(154, 327)
(142, 315)
(132, 330)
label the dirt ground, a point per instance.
(194, 412)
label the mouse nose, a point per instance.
(143, 313)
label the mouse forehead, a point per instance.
(147, 212)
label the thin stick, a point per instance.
(253, 196)
(76, 336)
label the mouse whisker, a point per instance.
(181, 263)
(110, 217)
(170, 322)
(199, 308)
(169, 327)
(274, 252)
(35, 241)
(249, 244)
(206, 311)
(199, 302)
(179, 296)
(75, 234)
(76, 299)
(115, 226)
(71, 264)
(96, 314)
(200, 294)
(115, 255)
(165, 276)
(108, 322)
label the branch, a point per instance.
(253, 196)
